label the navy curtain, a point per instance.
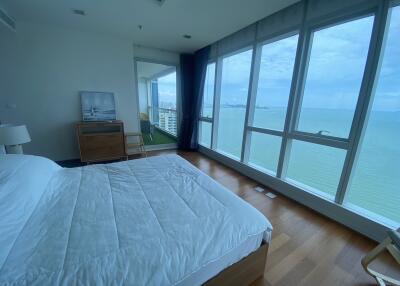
(193, 74)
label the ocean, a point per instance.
(374, 187)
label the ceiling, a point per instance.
(148, 70)
(162, 25)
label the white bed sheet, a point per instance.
(155, 221)
(211, 269)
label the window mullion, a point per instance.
(251, 99)
(299, 68)
(216, 104)
(265, 131)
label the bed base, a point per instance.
(243, 272)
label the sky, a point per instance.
(336, 66)
(167, 91)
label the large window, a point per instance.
(335, 70)
(233, 101)
(315, 167)
(322, 112)
(275, 77)
(207, 107)
(334, 76)
(375, 185)
(270, 105)
(264, 151)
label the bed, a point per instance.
(153, 221)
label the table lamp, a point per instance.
(12, 136)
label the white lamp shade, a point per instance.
(13, 134)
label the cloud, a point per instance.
(168, 79)
(336, 67)
(167, 89)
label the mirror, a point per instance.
(157, 92)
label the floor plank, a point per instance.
(306, 248)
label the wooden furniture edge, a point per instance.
(243, 272)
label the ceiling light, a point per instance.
(79, 12)
(186, 36)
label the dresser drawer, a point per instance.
(100, 146)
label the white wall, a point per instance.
(42, 70)
(158, 56)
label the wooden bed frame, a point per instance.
(244, 271)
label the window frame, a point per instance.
(335, 209)
(208, 119)
(331, 141)
(217, 98)
(252, 97)
(310, 30)
(365, 109)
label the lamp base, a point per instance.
(14, 149)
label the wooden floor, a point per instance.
(306, 248)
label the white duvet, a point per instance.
(151, 221)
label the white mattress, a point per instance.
(155, 221)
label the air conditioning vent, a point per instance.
(159, 2)
(7, 20)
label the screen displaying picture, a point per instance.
(98, 106)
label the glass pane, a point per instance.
(167, 91)
(315, 167)
(167, 103)
(276, 70)
(334, 76)
(205, 134)
(208, 94)
(234, 88)
(264, 151)
(375, 184)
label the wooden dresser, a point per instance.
(101, 141)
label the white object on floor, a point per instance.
(259, 189)
(153, 221)
(270, 195)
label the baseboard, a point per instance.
(160, 147)
(349, 218)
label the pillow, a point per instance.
(23, 180)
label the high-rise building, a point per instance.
(167, 121)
